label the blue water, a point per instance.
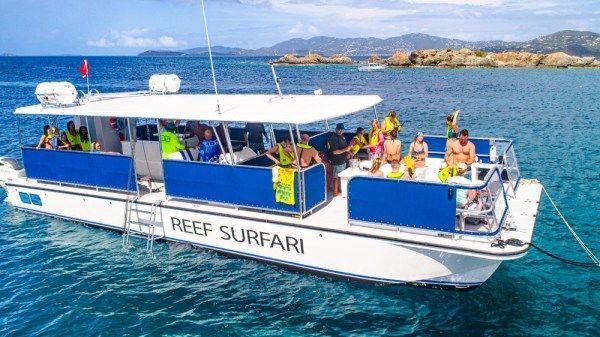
(61, 278)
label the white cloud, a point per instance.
(135, 38)
(460, 2)
(298, 28)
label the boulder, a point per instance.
(374, 58)
(399, 59)
(339, 59)
(288, 59)
(559, 60)
(516, 59)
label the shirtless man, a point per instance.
(461, 151)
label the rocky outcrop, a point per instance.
(313, 58)
(374, 58)
(399, 59)
(562, 60)
(449, 58)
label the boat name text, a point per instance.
(241, 235)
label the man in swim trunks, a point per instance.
(461, 151)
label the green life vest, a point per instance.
(304, 146)
(395, 175)
(284, 158)
(86, 145)
(169, 143)
(74, 140)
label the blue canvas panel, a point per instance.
(236, 185)
(314, 186)
(80, 168)
(402, 203)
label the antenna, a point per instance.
(212, 67)
(277, 79)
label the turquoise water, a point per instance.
(61, 278)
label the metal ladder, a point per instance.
(146, 227)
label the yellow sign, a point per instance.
(284, 192)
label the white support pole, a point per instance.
(300, 183)
(212, 67)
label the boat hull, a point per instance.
(317, 250)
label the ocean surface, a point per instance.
(59, 278)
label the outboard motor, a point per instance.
(10, 169)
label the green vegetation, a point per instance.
(480, 53)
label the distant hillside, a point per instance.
(576, 43)
(571, 42)
(199, 51)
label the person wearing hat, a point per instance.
(169, 142)
(339, 148)
(418, 150)
(465, 198)
(308, 154)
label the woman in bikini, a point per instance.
(418, 150)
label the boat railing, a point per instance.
(90, 169)
(242, 186)
(420, 205)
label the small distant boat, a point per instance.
(372, 66)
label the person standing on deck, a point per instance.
(359, 142)
(339, 159)
(391, 123)
(376, 139)
(253, 136)
(72, 136)
(169, 143)
(308, 154)
(451, 127)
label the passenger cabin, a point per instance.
(134, 166)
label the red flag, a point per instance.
(83, 69)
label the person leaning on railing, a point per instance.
(308, 154)
(45, 139)
(284, 151)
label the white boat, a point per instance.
(372, 66)
(381, 230)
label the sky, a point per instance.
(128, 27)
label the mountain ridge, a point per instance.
(578, 43)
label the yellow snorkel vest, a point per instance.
(284, 158)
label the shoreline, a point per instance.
(448, 58)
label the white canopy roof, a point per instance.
(293, 109)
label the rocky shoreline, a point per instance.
(448, 58)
